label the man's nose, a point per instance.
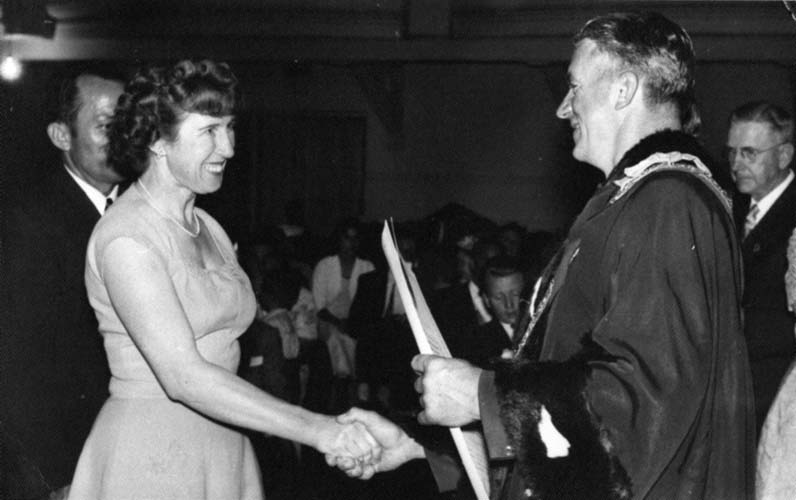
(736, 163)
(510, 304)
(564, 110)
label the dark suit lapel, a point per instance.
(501, 338)
(740, 207)
(72, 218)
(74, 203)
(774, 222)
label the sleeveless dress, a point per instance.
(144, 446)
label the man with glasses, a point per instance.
(759, 151)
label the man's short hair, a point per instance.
(63, 103)
(655, 47)
(775, 116)
(499, 267)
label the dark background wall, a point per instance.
(482, 135)
(390, 108)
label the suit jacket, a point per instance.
(385, 345)
(54, 370)
(485, 344)
(368, 303)
(363, 318)
(769, 326)
(455, 316)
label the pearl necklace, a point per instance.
(192, 234)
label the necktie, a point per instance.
(751, 219)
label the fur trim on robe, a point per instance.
(589, 471)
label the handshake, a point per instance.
(369, 443)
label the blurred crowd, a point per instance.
(331, 330)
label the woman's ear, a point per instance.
(60, 135)
(158, 149)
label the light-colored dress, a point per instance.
(776, 450)
(143, 445)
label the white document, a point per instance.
(470, 444)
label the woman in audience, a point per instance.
(171, 301)
(334, 284)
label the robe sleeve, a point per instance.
(664, 291)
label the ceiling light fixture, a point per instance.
(10, 68)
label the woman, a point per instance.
(171, 301)
(335, 277)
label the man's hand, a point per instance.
(397, 447)
(351, 440)
(448, 390)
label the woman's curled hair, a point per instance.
(157, 99)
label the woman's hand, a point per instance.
(397, 447)
(350, 440)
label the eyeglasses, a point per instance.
(748, 153)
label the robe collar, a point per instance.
(665, 141)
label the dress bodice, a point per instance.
(218, 302)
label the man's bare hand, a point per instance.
(448, 390)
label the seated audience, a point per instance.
(502, 287)
(460, 308)
(437, 268)
(512, 237)
(334, 285)
(385, 344)
(300, 244)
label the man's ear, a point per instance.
(626, 85)
(60, 136)
(785, 155)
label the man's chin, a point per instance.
(744, 187)
(578, 153)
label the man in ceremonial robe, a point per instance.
(641, 386)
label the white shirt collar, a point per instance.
(478, 302)
(508, 328)
(94, 195)
(765, 203)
